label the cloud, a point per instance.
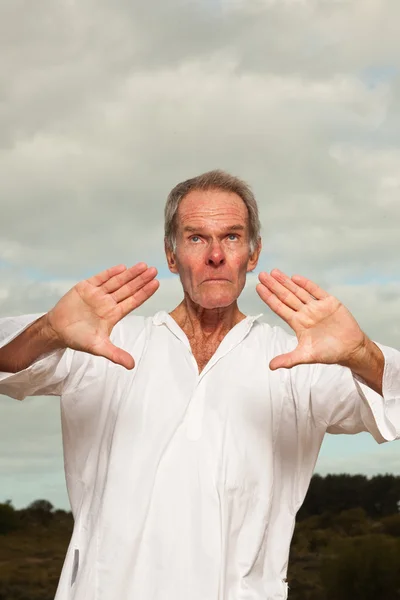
(104, 107)
(99, 132)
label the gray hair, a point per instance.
(212, 180)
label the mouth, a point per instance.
(215, 280)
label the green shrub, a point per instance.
(391, 525)
(362, 568)
(8, 518)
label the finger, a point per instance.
(100, 278)
(132, 287)
(275, 304)
(311, 287)
(115, 354)
(126, 306)
(299, 292)
(282, 292)
(120, 279)
(287, 361)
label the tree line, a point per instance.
(378, 496)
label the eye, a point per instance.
(194, 238)
(233, 235)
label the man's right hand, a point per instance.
(84, 318)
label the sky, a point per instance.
(104, 107)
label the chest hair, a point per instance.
(203, 350)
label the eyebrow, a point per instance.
(191, 229)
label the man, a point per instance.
(190, 438)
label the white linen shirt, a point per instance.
(185, 486)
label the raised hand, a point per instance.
(326, 331)
(84, 318)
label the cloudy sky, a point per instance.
(105, 106)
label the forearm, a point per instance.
(23, 350)
(369, 364)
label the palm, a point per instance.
(326, 331)
(84, 318)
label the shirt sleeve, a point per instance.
(348, 405)
(47, 375)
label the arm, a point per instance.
(36, 355)
(345, 403)
(28, 346)
(363, 396)
(46, 375)
(369, 365)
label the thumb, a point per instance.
(287, 361)
(115, 354)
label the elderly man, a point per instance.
(190, 438)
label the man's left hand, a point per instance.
(326, 331)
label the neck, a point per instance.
(197, 321)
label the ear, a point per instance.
(170, 258)
(253, 258)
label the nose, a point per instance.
(215, 256)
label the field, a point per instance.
(340, 550)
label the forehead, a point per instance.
(211, 207)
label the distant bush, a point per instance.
(391, 525)
(353, 522)
(39, 512)
(8, 518)
(365, 567)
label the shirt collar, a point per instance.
(163, 318)
(230, 341)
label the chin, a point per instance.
(217, 301)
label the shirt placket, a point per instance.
(194, 415)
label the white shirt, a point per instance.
(186, 485)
